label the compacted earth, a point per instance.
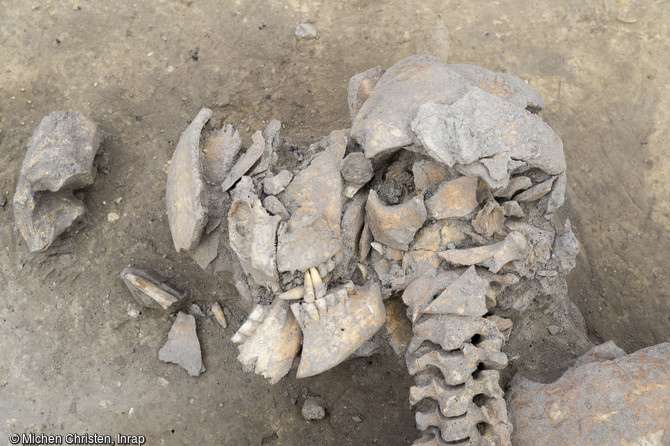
(82, 357)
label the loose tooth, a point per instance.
(257, 314)
(364, 271)
(292, 294)
(309, 288)
(247, 329)
(323, 269)
(350, 287)
(238, 338)
(218, 314)
(311, 311)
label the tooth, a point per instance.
(364, 271)
(299, 313)
(218, 314)
(311, 311)
(257, 314)
(350, 287)
(321, 305)
(238, 338)
(319, 287)
(309, 288)
(323, 269)
(292, 294)
(247, 329)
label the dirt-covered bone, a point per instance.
(346, 323)
(59, 160)
(150, 290)
(184, 193)
(313, 198)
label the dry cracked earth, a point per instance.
(81, 356)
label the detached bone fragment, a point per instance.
(182, 346)
(149, 290)
(59, 161)
(438, 203)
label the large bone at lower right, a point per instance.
(341, 330)
(494, 257)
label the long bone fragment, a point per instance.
(494, 257)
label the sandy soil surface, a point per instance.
(77, 358)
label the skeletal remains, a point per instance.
(442, 193)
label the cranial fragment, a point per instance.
(252, 233)
(455, 198)
(59, 161)
(313, 198)
(184, 194)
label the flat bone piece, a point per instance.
(252, 233)
(494, 257)
(270, 349)
(455, 198)
(503, 85)
(246, 161)
(381, 125)
(395, 226)
(536, 192)
(313, 198)
(182, 346)
(220, 152)
(338, 333)
(184, 193)
(490, 220)
(360, 87)
(420, 292)
(465, 296)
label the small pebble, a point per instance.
(357, 419)
(313, 409)
(305, 31)
(3, 201)
(195, 310)
(553, 329)
(112, 216)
